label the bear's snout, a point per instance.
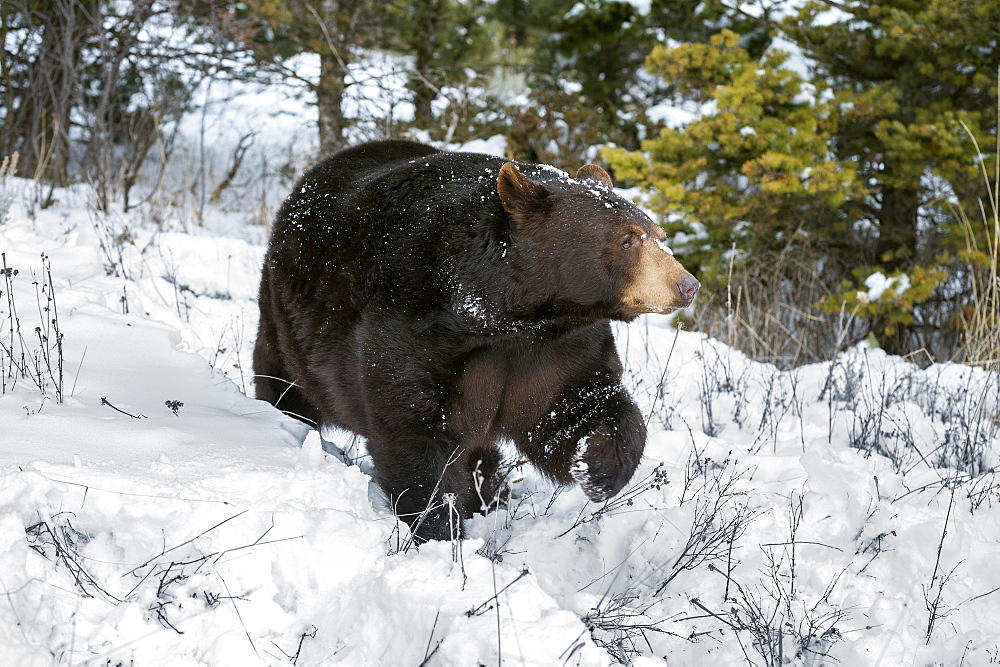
(688, 287)
(659, 285)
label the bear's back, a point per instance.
(384, 220)
(333, 185)
(347, 170)
(397, 223)
(384, 182)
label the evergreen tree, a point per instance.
(444, 37)
(599, 46)
(917, 69)
(583, 64)
(852, 158)
(755, 169)
(699, 20)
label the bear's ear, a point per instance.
(518, 193)
(595, 173)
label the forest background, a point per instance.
(828, 168)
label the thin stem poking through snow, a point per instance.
(934, 610)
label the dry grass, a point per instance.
(768, 309)
(982, 322)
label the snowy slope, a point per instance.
(808, 517)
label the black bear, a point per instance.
(437, 302)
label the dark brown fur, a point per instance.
(437, 302)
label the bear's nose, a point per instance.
(688, 287)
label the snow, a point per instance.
(878, 284)
(797, 61)
(672, 115)
(161, 515)
(495, 145)
(641, 6)
(224, 534)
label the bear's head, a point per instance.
(587, 250)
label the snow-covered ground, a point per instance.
(204, 527)
(842, 512)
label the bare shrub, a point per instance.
(618, 623)
(767, 311)
(114, 237)
(57, 540)
(655, 480)
(721, 517)
(720, 376)
(780, 396)
(934, 591)
(37, 359)
(782, 625)
(880, 406)
(783, 629)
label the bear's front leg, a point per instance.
(422, 466)
(606, 458)
(419, 477)
(594, 435)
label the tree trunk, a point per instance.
(897, 242)
(423, 96)
(429, 18)
(43, 116)
(897, 249)
(329, 96)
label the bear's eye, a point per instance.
(630, 242)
